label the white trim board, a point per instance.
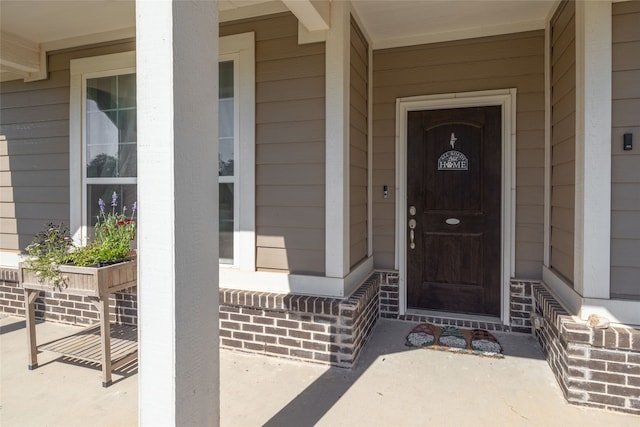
(547, 144)
(285, 283)
(506, 98)
(337, 105)
(241, 49)
(562, 291)
(615, 310)
(592, 224)
(370, 152)
(11, 259)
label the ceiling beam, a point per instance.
(22, 57)
(315, 15)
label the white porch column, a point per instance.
(593, 149)
(337, 141)
(177, 75)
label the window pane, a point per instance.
(102, 93)
(226, 79)
(127, 195)
(226, 223)
(225, 139)
(111, 127)
(225, 117)
(128, 160)
(127, 150)
(102, 142)
(101, 164)
(127, 129)
(226, 120)
(127, 91)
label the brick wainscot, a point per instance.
(594, 367)
(318, 329)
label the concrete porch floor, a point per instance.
(391, 386)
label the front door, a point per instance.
(453, 210)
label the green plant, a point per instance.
(114, 232)
(53, 247)
(50, 248)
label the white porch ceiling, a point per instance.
(394, 23)
(44, 25)
(46, 21)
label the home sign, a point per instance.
(453, 160)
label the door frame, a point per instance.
(506, 98)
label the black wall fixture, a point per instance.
(628, 142)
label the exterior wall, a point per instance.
(594, 367)
(290, 145)
(509, 61)
(34, 159)
(563, 142)
(290, 149)
(358, 140)
(625, 165)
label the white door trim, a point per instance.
(506, 98)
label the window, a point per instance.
(103, 139)
(103, 136)
(109, 141)
(227, 121)
(236, 151)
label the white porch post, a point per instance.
(337, 142)
(593, 149)
(177, 75)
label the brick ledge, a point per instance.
(616, 336)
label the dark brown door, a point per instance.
(454, 187)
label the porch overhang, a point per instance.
(31, 29)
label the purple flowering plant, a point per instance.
(52, 247)
(114, 231)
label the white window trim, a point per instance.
(241, 49)
(506, 98)
(80, 70)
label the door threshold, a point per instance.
(461, 320)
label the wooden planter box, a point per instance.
(89, 345)
(86, 281)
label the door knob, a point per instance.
(412, 235)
